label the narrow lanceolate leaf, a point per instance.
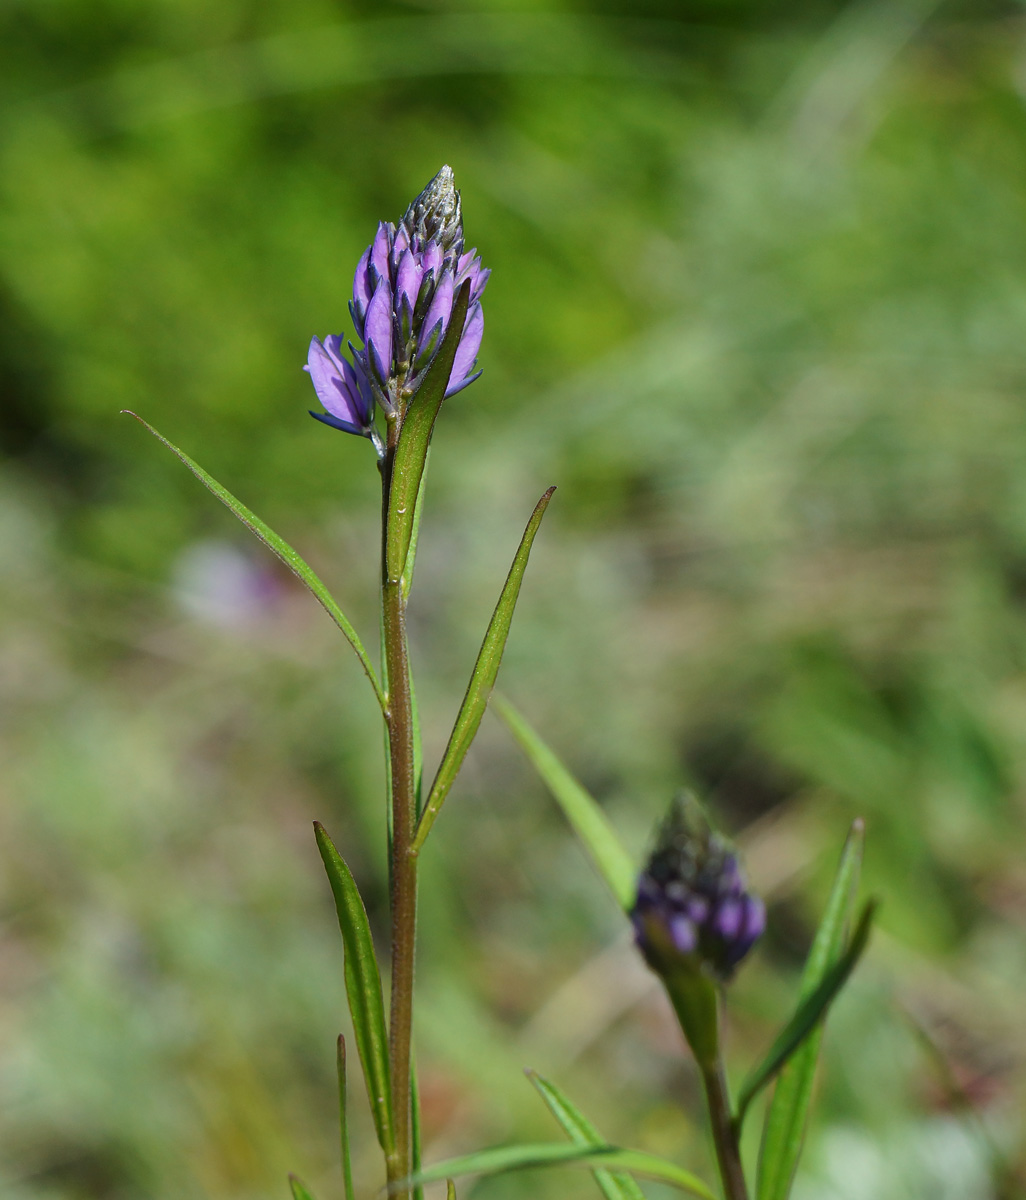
(363, 986)
(411, 554)
(547, 1154)
(299, 1192)
(614, 1185)
(784, 1130)
(581, 809)
(450, 1190)
(809, 1013)
(414, 439)
(282, 549)
(343, 1119)
(482, 680)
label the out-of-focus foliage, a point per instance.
(759, 308)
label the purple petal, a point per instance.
(755, 918)
(469, 345)
(439, 309)
(379, 251)
(478, 286)
(336, 423)
(727, 921)
(333, 346)
(683, 934)
(330, 386)
(361, 284)
(401, 241)
(359, 390)
(454, 388)
(378, 329)
(431, 257)
(408, 280)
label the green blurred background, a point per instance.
(759, 308)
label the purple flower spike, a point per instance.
(404, 288)
(693, 910)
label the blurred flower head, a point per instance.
(403, 292)
(693, 907)
(219, 584)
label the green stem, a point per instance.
(696, 1000)
(403, 862)
(728, 1152)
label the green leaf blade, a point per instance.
(807, 1016)
(299, 1191)
(784, 1130)
(588, 820)
(614, 1185)
(282, 550)
(363, 986)
(411, 450)
(482, 678)
(547, 1154)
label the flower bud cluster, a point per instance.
(693, 907)
(404, 289)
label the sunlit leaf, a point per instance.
(482, 679)
(786, 1117)
(809, 1013)
(581, 809)
(545, 1154)
(414, 439)
(614, 1185)
(363, 986)
(282, 549)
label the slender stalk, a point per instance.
(697, 1003)
(403, 863)
(728, 1152)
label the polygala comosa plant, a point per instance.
(417, 314)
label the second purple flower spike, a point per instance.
(693, 906)
(403, 293)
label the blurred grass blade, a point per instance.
(299, 1192)
(581, 809)
(343, 1119)
(363, 986)
(450, 1190)
(809, 1013)
(547, 1154)
(282, 549)
(414, 439)
(614, 1185)
(784, 1129)
(482, 679)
